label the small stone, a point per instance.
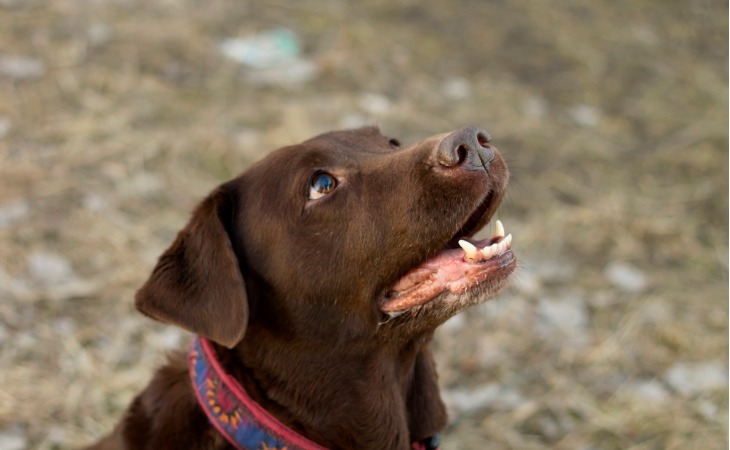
(567, 315)
(354, 121)
(168, 338)
(535, 107)
(461, 401)
(649, 390)
(585, 115)
(457, 88)
(626, 277)
(98, 34)
(95, 202)
(708, 410)
(64, 326)
(375, 104)
(689, 379)
(21, 67)
(12, 439)
(465, 400)
(48, 268)
(553, 272)
(142, 184)
(271, 48)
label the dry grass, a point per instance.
(612, 115)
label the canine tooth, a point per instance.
(498, 229)
(469, 248)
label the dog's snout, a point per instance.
(468, 148)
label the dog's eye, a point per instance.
(395, 143)
(322, 184)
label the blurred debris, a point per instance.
(98, 34)
(13, 212)
(51, 276)
(94, 201)
(12, 439)
(21, 67)
(4, 126)
(457, 88)
(536, 107)
(272, 48)
(553, 272)
(467, 400)
(566, 315)
(12, 287)
(585, 115)
(142, 184)
(375, 104)
(454, 324)
(48, 268)
(626, 277)
(273, 57)
(689, 379)
(354, 121)
(651, 391)
(295, 74)
(708, 410)
(168, 338)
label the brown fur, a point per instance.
(288, 289)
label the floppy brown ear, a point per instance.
(197, 283)
(426, 411)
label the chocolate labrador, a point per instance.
(314, 282)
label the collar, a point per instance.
(243, 422)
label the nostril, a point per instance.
(483, 138)
(461, 154)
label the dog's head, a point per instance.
(342, 237)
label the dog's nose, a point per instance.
(468, 148)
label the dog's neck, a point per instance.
(387, 400)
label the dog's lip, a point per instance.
(477, 219)
(454, 270)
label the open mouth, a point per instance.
(457, 270)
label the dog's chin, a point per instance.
(450, 281)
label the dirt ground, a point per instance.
(116, 116)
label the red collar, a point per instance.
(243, 422)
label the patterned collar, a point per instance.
(243, 422)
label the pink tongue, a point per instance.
(426, 281)
(411, 279)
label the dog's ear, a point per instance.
(197, 283)
(426, 411)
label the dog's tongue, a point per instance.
(455, 270)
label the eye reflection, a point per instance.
(321, 185)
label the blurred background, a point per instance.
(117, 116)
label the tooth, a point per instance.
(487, 252)
(469, 248)
(498, 229)
(508, 240)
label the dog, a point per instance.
(313, 283)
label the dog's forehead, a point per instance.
(367, 139)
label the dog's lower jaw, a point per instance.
(387, 401)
